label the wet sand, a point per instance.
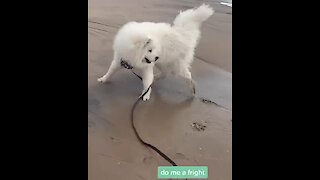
(166, 119)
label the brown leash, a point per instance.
(126, 65)
(136, 132)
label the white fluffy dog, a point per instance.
(142, 46)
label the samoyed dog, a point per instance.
(142, 46)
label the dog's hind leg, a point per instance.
(185, 73)
(114, 67)
(160, 74)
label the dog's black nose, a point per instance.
(157, 58)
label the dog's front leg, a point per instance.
(147, 79)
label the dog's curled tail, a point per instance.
(193, 17)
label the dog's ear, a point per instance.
(147, 42)
(142, 42)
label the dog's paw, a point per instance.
(102, 80)
(146, 97)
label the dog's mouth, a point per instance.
(147, 60)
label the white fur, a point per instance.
(173, 45)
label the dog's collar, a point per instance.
(125, 64)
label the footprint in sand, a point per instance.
(180, 156)
(148, 160)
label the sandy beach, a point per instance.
(167, 119)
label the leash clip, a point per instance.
(125, 64)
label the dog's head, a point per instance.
(151, 50)
(133, 43)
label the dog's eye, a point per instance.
(150, 50)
